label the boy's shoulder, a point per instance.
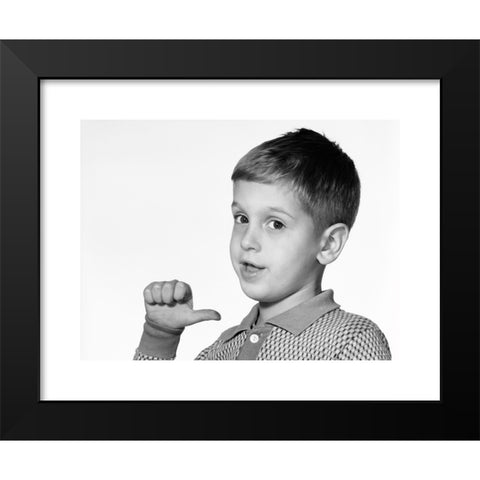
(340, 320)
(350, 335)
(336, 321)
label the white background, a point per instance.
(155, 205)
(250, 19)
(154, 196)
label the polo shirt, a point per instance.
(313, 330)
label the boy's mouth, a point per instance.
(251, 268)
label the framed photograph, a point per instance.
(116, 179)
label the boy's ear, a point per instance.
(332, 241)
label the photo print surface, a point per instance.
(154, 199)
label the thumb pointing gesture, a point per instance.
(170, 304)
(196, 316)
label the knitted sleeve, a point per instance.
(157, 343)
(369, 344)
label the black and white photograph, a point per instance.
(218, 237)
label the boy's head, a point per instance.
(323, 177)
(295, 199)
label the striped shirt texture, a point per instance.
(314, 330)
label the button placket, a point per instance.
(253, 342)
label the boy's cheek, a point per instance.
(234, 246)
(234, 260)
(233, 253)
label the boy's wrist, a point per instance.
(155, 327)
(159, 341)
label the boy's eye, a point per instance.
(240, 218)
(276, 225)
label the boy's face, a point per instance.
(274, 243)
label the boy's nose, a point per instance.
(250, 240)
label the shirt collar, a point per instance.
(295, 320)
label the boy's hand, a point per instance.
(170, 304)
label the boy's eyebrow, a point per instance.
(279, 210)
(272, 209)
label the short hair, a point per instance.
(319, 172)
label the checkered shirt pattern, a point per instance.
(141, 356)
(336, 335)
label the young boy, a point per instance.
(295, 199)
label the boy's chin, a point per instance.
(258, 294)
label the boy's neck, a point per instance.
(270, 310)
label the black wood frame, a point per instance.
(25, 63)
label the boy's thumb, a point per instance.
(202, 315)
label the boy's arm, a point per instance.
(169, 309)
(164, 354)
(158, 343)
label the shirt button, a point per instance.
(254, 338)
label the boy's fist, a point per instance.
(170, 304)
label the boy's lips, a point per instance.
(250, 270)
(252, 264)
